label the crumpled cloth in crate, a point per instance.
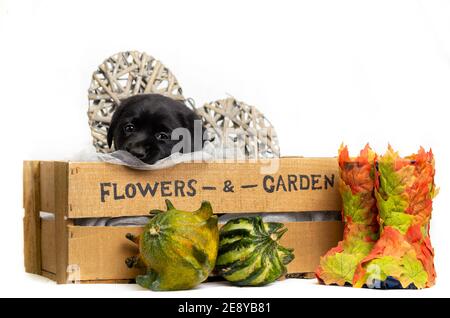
(281, 217)
(267, 217)
(124, 158)
(119, 221)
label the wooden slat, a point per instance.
(49, 275)
(310, 240)
(293, 185)
(31, 221)
(48, 245)
(52, 276)
(47, 184)
(107, 281)
(61, 221)
(100, 252)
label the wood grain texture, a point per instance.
(47, 186)
(61, 221)
(52, 276)
(310, 241)
(48, 245)
(87, 179)
(100, 252)
(49, 275)
(31, 220)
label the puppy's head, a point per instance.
(143, 126)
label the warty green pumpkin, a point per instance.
(178, 249)
(249, 253)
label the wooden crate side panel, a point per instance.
(49, 275)
(100, 252)
(47, 185)
(48, 245)
(61, 222)
(31, 220)
(310, 240)
(300, 184)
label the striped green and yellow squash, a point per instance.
(249, 253)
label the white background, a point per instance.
(323, 72)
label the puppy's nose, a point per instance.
(138, 152)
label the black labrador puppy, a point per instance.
(148, 127)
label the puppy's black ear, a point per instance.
(114, 120)
(110, 136)
(189, 123)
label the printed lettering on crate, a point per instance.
(298, 184)
(190, 187)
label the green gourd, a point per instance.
(249, 253)
(178, 249)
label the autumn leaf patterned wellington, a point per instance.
(403, 256)
(359, 212)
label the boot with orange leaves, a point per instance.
(359, 212)
(403, 256)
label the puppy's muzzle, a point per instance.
(137, 151)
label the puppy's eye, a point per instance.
(129, 128)
(162, 136)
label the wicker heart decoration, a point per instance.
(232, 123)
(122, 75)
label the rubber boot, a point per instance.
(403, 256)
(359, 213)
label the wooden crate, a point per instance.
(56, 248)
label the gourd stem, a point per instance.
(278, 235)
(169, 205)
